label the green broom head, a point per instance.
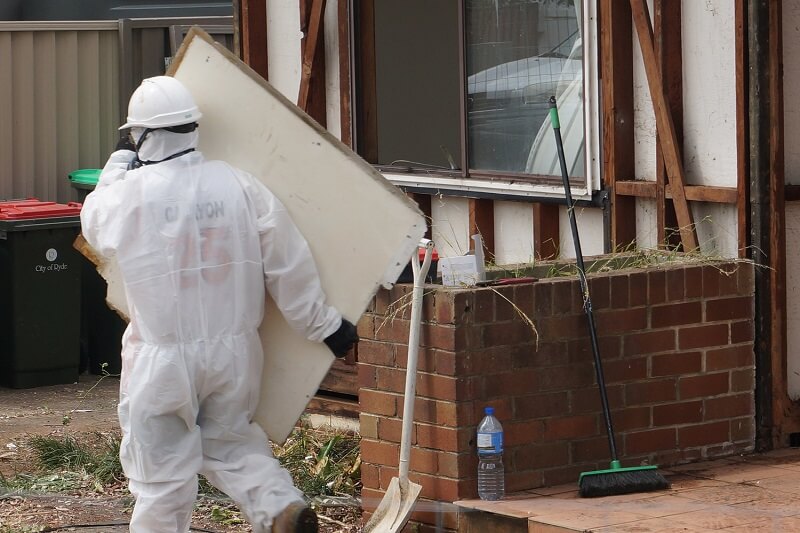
(618, 480)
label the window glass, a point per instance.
(519, 53)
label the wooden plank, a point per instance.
(312, 75)
(669, 53)
(424, 202)
(345, 82)
(481, 220)
(664, 124)
(616, 72)
(366, 114)
(742, 126)
(251, 27)
(342, 378)
(327, 404)
(545, 231)
(778, 319)
(695, 193)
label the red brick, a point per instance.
(504, 306)
(637, 291)
(702, 336)
(710, 281)
(379, 453)
(566, 297)
(434, 514)
(522, 432)
(368, 426)
(443, 308)
(650, 441)
(737, 308)
(484, 304)
(376, 402)
(570, 427)
(503, 334)
(622, 370)
(367, 376)
(619, 292)
(674, 364)
(743, 429)
(676, 288)
(616, 321)
(438, 387)
(678, 413)
(425, 358)
(370, 498)
(442, 337)
(656, 287)
(732, 357)
(676, 314)
(728, 280)
(742, 332)
(703, 386)
(443, 489)
(649, 342)
(595, 449)
(392, 330)
(445, 363)
(424, 461)
(519, 481)
(546, 354)
(599, 290)
(503, 409)
(390, 379)
(389, 429)
(534, 457)
(442, 438)
(693, 277)
(375, 353)
(370, 476)
(745, 278)
(580, 350)
(517, 382)
(704, 434)
(562, 378)
(541, 405)
(743, 380)
(456, 465)
(587, 400)
(543, 299)
(631, 418)
(491, 360)
(651, 391)
(729, 407)
(523, 299)
(561, 475)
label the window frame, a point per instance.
(465, 181)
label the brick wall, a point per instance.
(677, 346)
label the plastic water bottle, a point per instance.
(491, 475)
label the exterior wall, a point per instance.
(677, 343)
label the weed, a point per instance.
(67, 454)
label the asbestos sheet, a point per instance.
(361, 229)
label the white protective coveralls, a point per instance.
(196, 242)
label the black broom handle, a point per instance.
(587, 301)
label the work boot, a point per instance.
(296, 518)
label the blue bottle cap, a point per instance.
(489, 411)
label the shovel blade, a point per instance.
(395, 508)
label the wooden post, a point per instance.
(312, 76)
(546, 241)
(481, 220)
(251, 34)
(664, 125)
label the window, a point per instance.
(458, 90)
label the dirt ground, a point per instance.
(85, 410)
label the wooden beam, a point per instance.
(366, 114)
(313, 69)
(545, 231)
(664, 124)
(345, 87)
(616, 72)
(481, 220)
(251, 34)
(669, 53)
(424, 202)
(694, 193)
(742, 127)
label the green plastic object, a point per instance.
(85, 178)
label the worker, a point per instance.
(197, 241)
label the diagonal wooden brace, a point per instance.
(664, 125)
(310, 50)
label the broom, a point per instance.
(615, 479)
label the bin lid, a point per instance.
(33, 208)
(87, 177)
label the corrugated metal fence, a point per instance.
(64, 87)
(59, 101)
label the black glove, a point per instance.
(125, 143)
(342, 339)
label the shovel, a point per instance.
(398, 502)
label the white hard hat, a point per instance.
(161, 102)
